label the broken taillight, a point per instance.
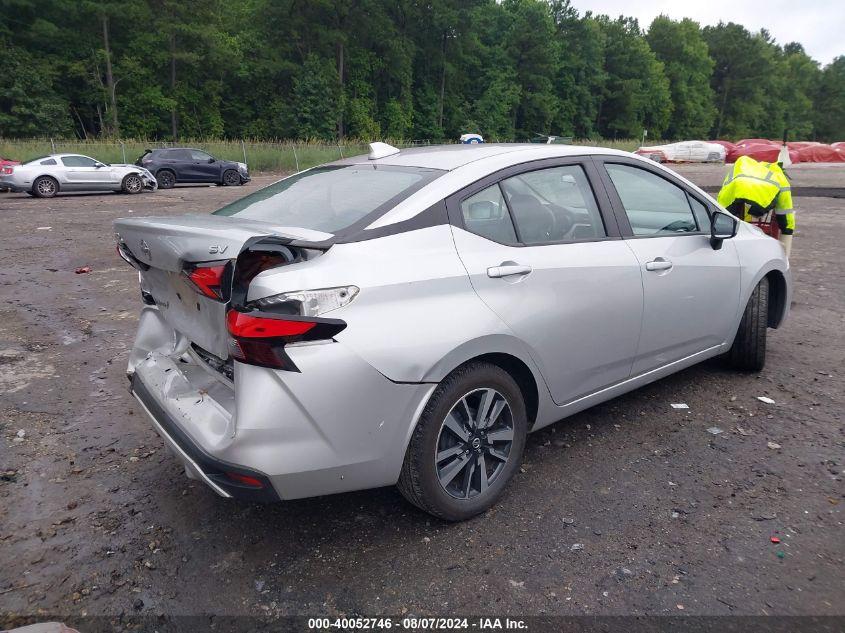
(207, 280)
(258, 338)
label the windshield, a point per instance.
(330, 199)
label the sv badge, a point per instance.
(216, 249)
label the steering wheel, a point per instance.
(564, 222)
(678, 226)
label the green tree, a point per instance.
(581, 74)
(29, 103)
(636, 93)
(314, 98)
(688, 66)
(829, 104)
(744, 78)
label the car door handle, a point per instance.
(507, 270)
(658, 264)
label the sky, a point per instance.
(818, 25)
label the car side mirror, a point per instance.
(722, 227)
(98, 165)
(212, 160)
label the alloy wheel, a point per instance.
(46, 187)
(474, 443)
(231, 178)
(166, 180)
(134, 184)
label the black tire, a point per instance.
(45, 187)
(132, 184)
(166, 179)
(231, 177)
(419, 481)
(748, 352)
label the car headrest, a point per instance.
(535, 221)
(482, 210)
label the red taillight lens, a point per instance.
(260, 338)
(245, 480)
(8, 170)
(208, 280)
(245, 326)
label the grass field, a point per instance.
(260, 155)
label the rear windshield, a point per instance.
(331, 199)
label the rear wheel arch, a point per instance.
(518, 369)
(35, 180)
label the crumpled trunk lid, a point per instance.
(164, 248)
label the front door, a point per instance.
(199, 169)
(691, 291)
(539, 255)
(81, 172)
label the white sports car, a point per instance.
(46, 176)
(685, 151)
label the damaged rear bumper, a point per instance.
(199, 464)
(337, 425)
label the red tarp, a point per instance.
(726, 144)
(799, 145)
(822, 154)
(757, 141)
(764, 153)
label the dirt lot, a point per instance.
(96, 516)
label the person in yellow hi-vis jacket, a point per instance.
(752, 189)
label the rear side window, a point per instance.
(78, 161)
(176, 154)
(553, 205)
(333, 198)
(654, 206)
(49, 161)
(486, 214)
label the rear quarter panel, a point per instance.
(416, 317)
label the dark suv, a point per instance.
(183, 164)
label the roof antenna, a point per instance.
(380, 150)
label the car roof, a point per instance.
(450, 157)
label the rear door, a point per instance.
(547, 258)
(691, 291)
(178, 161)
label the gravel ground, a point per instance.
(631, 507)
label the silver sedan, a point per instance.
(407, 317)
(49, 175)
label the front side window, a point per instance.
(701, 215)
(78, 161)
(333, 198)
(553, 205)
(654, 205)
(486, 214)
(198, 155)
